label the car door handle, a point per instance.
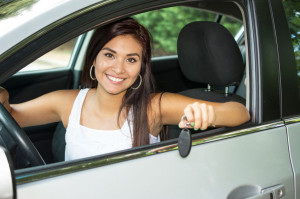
(255, 192)
(274, 192)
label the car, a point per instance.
(252, 57)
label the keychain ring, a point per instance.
(187, 124)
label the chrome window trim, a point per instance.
(58, 169)
(292, 120)
(50, 27)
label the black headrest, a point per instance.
(208, 53)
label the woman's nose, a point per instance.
(118, 67)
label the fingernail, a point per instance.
(179, 126)
(201, 129)
(192, 124)
(195, 129)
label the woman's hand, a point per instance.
(198, 116)
(4, 98)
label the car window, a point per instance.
(56, 58)
(292, 11)
(165, 25)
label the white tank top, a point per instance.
(83, 142)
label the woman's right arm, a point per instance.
(52, 107)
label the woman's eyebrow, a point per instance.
(113, 51)
(134, 54)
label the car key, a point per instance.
(185, 139)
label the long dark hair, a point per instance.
(138, 99)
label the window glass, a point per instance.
(57, 58)
(165, 25)
(292, 10)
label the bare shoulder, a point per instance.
(63, 100)
(66, 95)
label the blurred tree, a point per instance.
(292, 10)
(165, 25)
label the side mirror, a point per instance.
(7, 179)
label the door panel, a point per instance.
(212, 170)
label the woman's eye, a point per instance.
(108, 55)
(132, 60)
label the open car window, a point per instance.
(164, 25)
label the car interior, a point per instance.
(209, 64)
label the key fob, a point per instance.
(184, 142)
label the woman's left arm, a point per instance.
(199, 113)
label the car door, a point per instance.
(252, 160)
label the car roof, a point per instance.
(26, 19)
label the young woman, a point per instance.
(118, 108)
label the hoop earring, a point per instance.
(91, 70)
(141, 80)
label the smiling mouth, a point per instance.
(115, 79)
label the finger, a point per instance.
(204, 118)
(189, 113)
(182, 124)
(197, 115)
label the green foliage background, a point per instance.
(165, 25)
(292, 10)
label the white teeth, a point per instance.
(114, 79)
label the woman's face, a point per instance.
(118, 64)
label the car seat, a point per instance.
(208, 54)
